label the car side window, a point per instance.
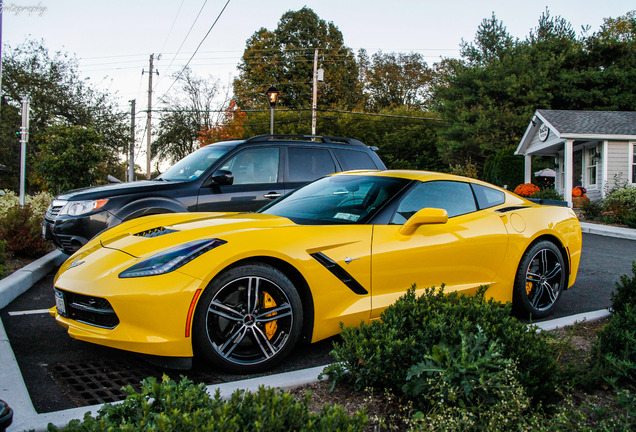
(254, 166)
(306, 164)
(354, 160)
(454, 197)
(488, 197)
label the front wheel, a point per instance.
(248, 319)
(540, 278)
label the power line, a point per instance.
(172, 26)
(196, 50)
(183, 42)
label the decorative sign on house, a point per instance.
(592, 149)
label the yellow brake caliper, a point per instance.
(270, 327)
(528, 287)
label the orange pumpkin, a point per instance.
(576, 192)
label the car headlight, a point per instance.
(77, 208)
(171, 259)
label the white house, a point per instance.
(593, 149)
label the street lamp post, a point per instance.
(272, 96)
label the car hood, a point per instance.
(155, 233)
(114, 189)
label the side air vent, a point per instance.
(155, 232)
(340, 273)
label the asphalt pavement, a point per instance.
(12, 385)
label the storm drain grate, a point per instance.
(99, 381)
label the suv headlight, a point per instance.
(171, 259)
(77, 208)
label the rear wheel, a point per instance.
(540, 278)
(248, 319)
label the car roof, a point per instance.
(316, 140)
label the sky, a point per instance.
(113, 39)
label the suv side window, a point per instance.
(454, 197)
(351, 159)
(254, 166)
(306, 164)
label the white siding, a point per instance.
(617, 163)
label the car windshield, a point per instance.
(192, 166)
(341, 199)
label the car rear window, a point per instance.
(308, 164)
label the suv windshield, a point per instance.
(341, 199)
(192, 166)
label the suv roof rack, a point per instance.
(324, 139)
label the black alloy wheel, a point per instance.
(248, 319)
(540, 279)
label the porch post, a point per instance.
(568, 171)
(527, 169)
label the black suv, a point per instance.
(239, 175)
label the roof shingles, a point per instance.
(591, 122)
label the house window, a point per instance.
(593, 157)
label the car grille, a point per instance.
(53, 211)
(95, 311)
(155, 232)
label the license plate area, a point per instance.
(60, 304)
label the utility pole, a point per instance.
(131, 158)
(24, 138)
(149, 121)
(315, 98)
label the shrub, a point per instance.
(592, 210)
(468, 169)
(380, 354)
(621, 203)
(527, 190)
(184, 406)
(547, 194)
(38, 203)
(616, 344)
(23, 232)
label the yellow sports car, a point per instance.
(241, 289)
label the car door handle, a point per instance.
(272, 195)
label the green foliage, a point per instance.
(504, 168)
(58, 95)
(284, 57)
(379, 354)
(621, 203)
(469, 374)
(184, 406)
(616, 345)
(22, 232)
(467, 169)
(70, 157)
(547, 194)
(592, 210)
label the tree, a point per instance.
(57, 95)
(395, 80)
(231, 126)
(284, 57)
(70, 157)
(191, 108)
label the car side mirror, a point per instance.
(425, 216)
(221, 178)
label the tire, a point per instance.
(539, 281)
(233, 332)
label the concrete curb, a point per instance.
(20, 281)
(608, 231)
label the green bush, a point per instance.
(184, 406)
(380, 354)
(592, 210)
(23, 232)
(616, 344)
(38, 203)
(547, 194)
(621, 203)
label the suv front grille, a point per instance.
(53, 211)
(91, 310)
